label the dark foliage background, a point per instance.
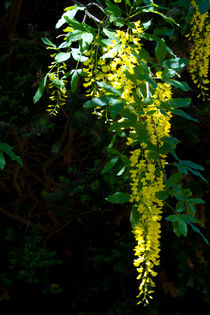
(63, 248)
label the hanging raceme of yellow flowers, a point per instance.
(147, 179)
(57, 86)
(200, 51)
(147, 174)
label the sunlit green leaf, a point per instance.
(118, 198)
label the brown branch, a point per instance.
(21, 220)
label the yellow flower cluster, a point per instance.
(200, 51)
(158, 124)
(147, 179)
(147, 174)
(113, 71)
(58, 88)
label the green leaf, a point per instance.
(173, 179)
(114, 151)
(182, 169)
(110, 164)
(125, 159)
(176, 103)
(162, 195)
(2, 161)
(197, 174)
(183, 114)
(74, 36)
(192, 165)
(118, 198)
(182, 226)
(72, 22)
(134, 217)
(116, 106)
(160, 50)
(74, 81)
(121, 171)
(196, 200)
(195, 229)
(167, 19)
(69, 14)
(77, 55)
(109, 88)
(48, 42)
(163, 31)
(142, 132)
(6, 148)
(109, 53)
(99, 101)
(62, 56)
(179, 84)
(180, 206)
(113, 8)
(175, 63)
(167, 74)
(203, 6)
(109, 34)
(176, 229)
(172, 218)
(40, 90)
(87, 39)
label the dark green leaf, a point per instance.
(172, 218)
(114, 151)
(173, 180)
(162, 195)
(203, 6)
(168, 19)
(118, 198)
(40, 90)
(110, 164)
(116, 106)
(113, 8)
(183, 114)
(192, 165)
(2, 161)
(134, 217)
(182, 169)
(182, 226)
(163, 31)
(74, 81)
(176, 229)
(6, 148)
(196, 200)
(180, 206)
(176, 103)
(197, 174)
(160, 50)
(125, 159)
(195, 229)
